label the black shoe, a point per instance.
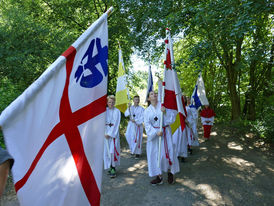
(137, 156)
(190, 151)
(170, 178)
(183, 159)
(157, 181)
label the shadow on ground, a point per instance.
(229, 169)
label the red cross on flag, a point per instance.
(173, 98)
(55, 129)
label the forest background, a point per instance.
(230, 42)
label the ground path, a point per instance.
(230, 169)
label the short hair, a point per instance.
(111, 97)
(136, 96)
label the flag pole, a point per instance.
(110, 11)
(162, 113)
(171, 49)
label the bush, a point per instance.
(264, 125)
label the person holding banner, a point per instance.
(189, 123)
(207, 117)
(134, 133)
(112, 139)
(193, 122)
(168, 160)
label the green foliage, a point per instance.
(231, 42)
(264, 125)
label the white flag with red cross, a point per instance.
(55, 129)
(173, 98)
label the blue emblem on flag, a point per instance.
(87, 72)
(196, 100)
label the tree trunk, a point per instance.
(234, 97)
(269, 66)
(232, 75)
(251, 110)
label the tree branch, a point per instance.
(98, 15)
(68, 17)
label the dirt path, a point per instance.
(227, 170)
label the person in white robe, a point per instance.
(189, 131)
(168, 160)
(134, 133)
(180, 142)
(112, 139)
(193, 124)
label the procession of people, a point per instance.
(174, 147)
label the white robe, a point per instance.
(192, 114)
(180, 142)
(134, 133)
(152, 117)
(207, 121)
(188, 127)
(113, 117)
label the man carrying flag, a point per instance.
(207, 117)
(173, 99)
(112, 137)
(134, 133)
(55, 129)
(198, 98)
(161, 152)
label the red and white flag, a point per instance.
(55, 129)
(173, 98)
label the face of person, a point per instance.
(136, 101)
(206, 106)
(188, 102)
(152, 96)
(111, 103)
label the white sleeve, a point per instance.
(169, 117)
(140, 117)
(150, 130)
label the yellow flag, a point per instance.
(122, 99)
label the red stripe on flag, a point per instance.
(182, 121)
(184, 106)
(74, 139)
(170, 100)
(168, 60)
(68, 126)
